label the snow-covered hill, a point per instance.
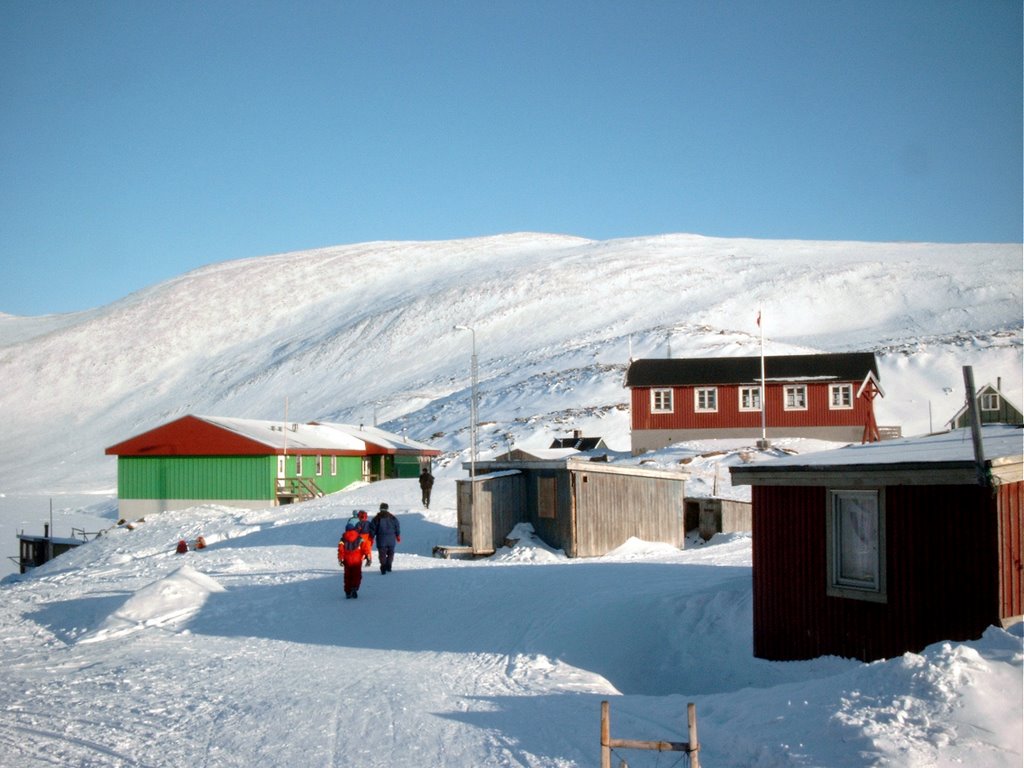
(123, 653)
(365, 332)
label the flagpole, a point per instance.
(764, 409)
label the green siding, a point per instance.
(407, 466)
(196, 477)
(350, 470)
(226, 477)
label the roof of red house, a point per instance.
(703, 371)
(219, 436)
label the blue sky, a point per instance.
(139, 140)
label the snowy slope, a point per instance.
(123, 653)
(359, 331)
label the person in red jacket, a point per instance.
(352, 550)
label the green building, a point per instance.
(253, 464)
(993, 408)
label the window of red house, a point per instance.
(840, 396)
(705, 399)
(661, 401)
(796, 397)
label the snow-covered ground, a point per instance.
(124, 653)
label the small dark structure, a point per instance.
(585, 508)
(714, 514)
(578, 442)
(36, 550)
(871, 551)
(993, 408)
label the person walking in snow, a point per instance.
(363, 526)
(386, 531)
(426, 483)
(353, 549)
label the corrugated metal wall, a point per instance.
(196, 477)
(1011, 547)
(942, 574)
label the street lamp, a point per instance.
(472, 407)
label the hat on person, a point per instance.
(362, 514)
(383, 506)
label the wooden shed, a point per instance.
(252, 463)
(871, 551)
(585, 508)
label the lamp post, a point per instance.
(472, 405)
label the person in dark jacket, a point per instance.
(426, 483)
(386, 531)
(363, 527)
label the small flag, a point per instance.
(758, 318)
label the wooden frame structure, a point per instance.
(691, 747)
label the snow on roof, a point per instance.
(1000, 441)
(295, 436)
(550, 454)
(378, 436)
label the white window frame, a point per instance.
(753, 395)
(789, 393)
(334, 465)
(298, 465)
(319, 465)
(842, 392)
(662, 400)
(990, 401)
(705, 400)
(856, 551)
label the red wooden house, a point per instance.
(872, 551)
(825, 396)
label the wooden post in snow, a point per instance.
(691, 747)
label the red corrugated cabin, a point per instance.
(824, 396)
(872, 551)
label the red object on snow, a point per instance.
(182, 546)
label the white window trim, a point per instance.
(319, 465)
(756, 393)
(785, 397)
(990, 401)
(334, 465)
(832, 389)
(836, 586)
(713, 396)
(666, 395)
(298, 465)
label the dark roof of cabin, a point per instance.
(579, 443)
(846, 366)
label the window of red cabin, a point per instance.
(750, 398)
(705, 399)
(661, 401)
(796, 397)
(840, 396)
